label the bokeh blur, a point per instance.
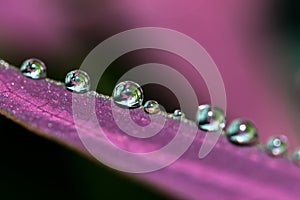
(254, 43)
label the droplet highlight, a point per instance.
(209, 118)
(128, 94)
(151, 107)
(242, 132)
(277, 146)
(77, 81)
(33, 68)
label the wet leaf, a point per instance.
(228, 172)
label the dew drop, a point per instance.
(277, 146)
(4, 63)
(242, 132)
(77, 81)
(151, 107)
(128, 94)
(178, 113)
(33, 68)
(296, 156)
(209, 118)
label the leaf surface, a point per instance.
(228, 172)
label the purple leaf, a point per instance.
(228, 172)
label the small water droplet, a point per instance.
(178, 113)
(151, 107)
(4, 63)
(296, 156)
(94, 93)
(77, 81)
(33, 68)
(242, 132)
(210, 118)
(170, 115)
(128, 94)
(277, 146)
(12, 83)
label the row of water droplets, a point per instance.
(130, 95)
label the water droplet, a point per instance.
(242, 132)
(151, 107)
(296, 156)
(210, 118)
(33, 68)
(178, 113)
(128, 94)
(77, 81)
(4, 63)
(277, 146)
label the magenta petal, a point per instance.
(228, 172)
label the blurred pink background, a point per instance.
(242, 37)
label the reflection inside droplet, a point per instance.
(277, 146)
(210, 118)
(77, 81)
(242, 132)
(151, 107)
(33, 68)
(128, 94)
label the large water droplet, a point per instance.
(151, 107)
(128, 94)
(296, 156)
(33, 68)
(242, 132)
(77, 81)
(210, 118)
(277, 146)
